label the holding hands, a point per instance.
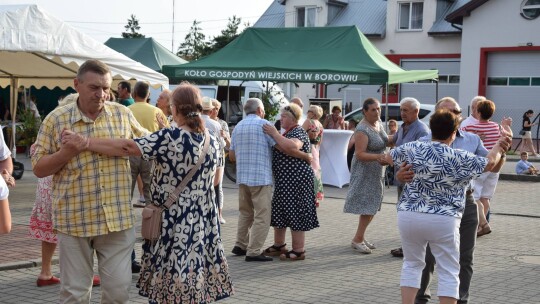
(506, 126)
(505, 141)
(10, 181)
(382, 160)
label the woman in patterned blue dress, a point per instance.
(293, 199)
(431, 206)
(366, 186)
(187, 264)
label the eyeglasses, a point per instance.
(456, 111)
(288, 109)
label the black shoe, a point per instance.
(258, 258)
(135, 267)
(238, 251)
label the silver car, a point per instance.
(393, 112)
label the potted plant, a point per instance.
(27, 129)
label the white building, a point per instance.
(480, 47)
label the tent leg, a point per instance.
(386, 108)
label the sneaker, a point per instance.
(142, 199)
(360, 247)
(369, 245)
(139, 205)
(222, 220)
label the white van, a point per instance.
(237, 92)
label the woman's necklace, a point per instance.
(289, 130)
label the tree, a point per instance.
(132, 28)
(227, 35)
(194, 46)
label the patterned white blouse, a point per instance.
(441, 175)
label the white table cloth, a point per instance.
(333, 157)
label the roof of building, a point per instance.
(372, 13)
(370, 16)
(273, 17)
(372, 23)
(464, 10)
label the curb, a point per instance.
(25, 264)
(520, 177)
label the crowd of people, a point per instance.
(90, 152)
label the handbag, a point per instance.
(152, 215)
(522, 132)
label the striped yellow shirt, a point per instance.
(91, 193)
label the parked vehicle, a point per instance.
(237, 92)
(393, 113)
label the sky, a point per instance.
(103, 19)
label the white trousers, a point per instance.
(442, 233)
(113, 253)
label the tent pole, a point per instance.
(386, 108)
(436, 90)
(13, 105)
(227, 117)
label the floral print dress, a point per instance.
(187, 264)
(41, 225)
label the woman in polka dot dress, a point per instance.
(292, 202)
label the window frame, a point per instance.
(410, 16)
(306, 9)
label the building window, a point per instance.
(453, 79)
(443, 79)
(498, 81)
(410, 15)
(305, 16)
(514, 81)
(530, 9)
(519, 81)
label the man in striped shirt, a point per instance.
(92, 213)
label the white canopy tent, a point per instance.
(37, 49)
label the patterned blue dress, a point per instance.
(187, 264)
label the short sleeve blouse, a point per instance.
(441, 177)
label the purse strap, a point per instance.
(174, 196)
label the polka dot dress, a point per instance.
(294, 196)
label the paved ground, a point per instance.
(507, 265)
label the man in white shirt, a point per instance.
(472, 119)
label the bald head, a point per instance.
(448, 103)
(297, 101)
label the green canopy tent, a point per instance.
(314, 55)
(147, 51)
